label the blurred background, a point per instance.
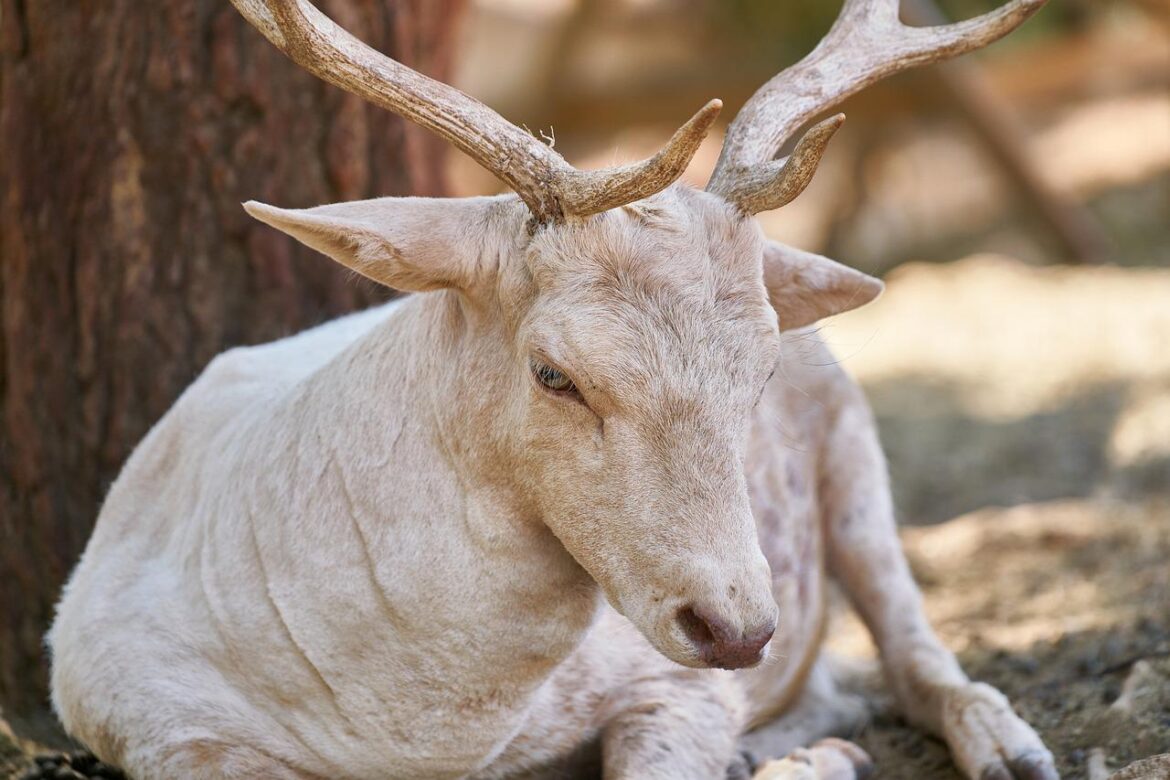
(1017, 203)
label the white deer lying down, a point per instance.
(562, 500)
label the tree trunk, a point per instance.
(130, 132)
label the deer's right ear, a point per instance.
(804, 287)
(410, 244)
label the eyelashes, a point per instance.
(552, 378)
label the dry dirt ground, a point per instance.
(1026, 413)
(1058, 604)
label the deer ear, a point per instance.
(804, 287)
(410, 244)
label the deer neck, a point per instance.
(443, 565)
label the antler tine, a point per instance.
(550, 187)
(770, 185)
(597, 191)
(866, 44)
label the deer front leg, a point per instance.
(675, 727)
(987, 739)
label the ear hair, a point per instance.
(804, 287)
(410, 244)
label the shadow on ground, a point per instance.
(1058, 604)
(946, 461)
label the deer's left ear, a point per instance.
(410, 244)
(804, 287)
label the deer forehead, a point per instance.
(678, 244)
(672, 285)
(657, 344)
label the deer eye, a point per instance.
(552, 378)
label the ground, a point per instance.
(1057, 604)
(1026, 413)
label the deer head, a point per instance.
(618, 329)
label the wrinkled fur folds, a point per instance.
(381, 549)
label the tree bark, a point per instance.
(130, 132)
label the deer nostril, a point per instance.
(717, 644)
(696, 628)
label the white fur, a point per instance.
(380, 549)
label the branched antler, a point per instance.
(550, 187)
(866, 44)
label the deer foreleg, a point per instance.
(675, 727)
(987, 739)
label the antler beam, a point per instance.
(550, 187)
(866, 44)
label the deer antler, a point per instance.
(550, 187)
(866, 44)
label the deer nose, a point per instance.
(718, 643)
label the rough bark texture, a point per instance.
(130, 132)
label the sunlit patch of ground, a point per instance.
(1057, 604)
(997, 383)
(1032, 405)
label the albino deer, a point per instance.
(553, 509)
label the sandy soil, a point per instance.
(1033, 407)
(1058, 604)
